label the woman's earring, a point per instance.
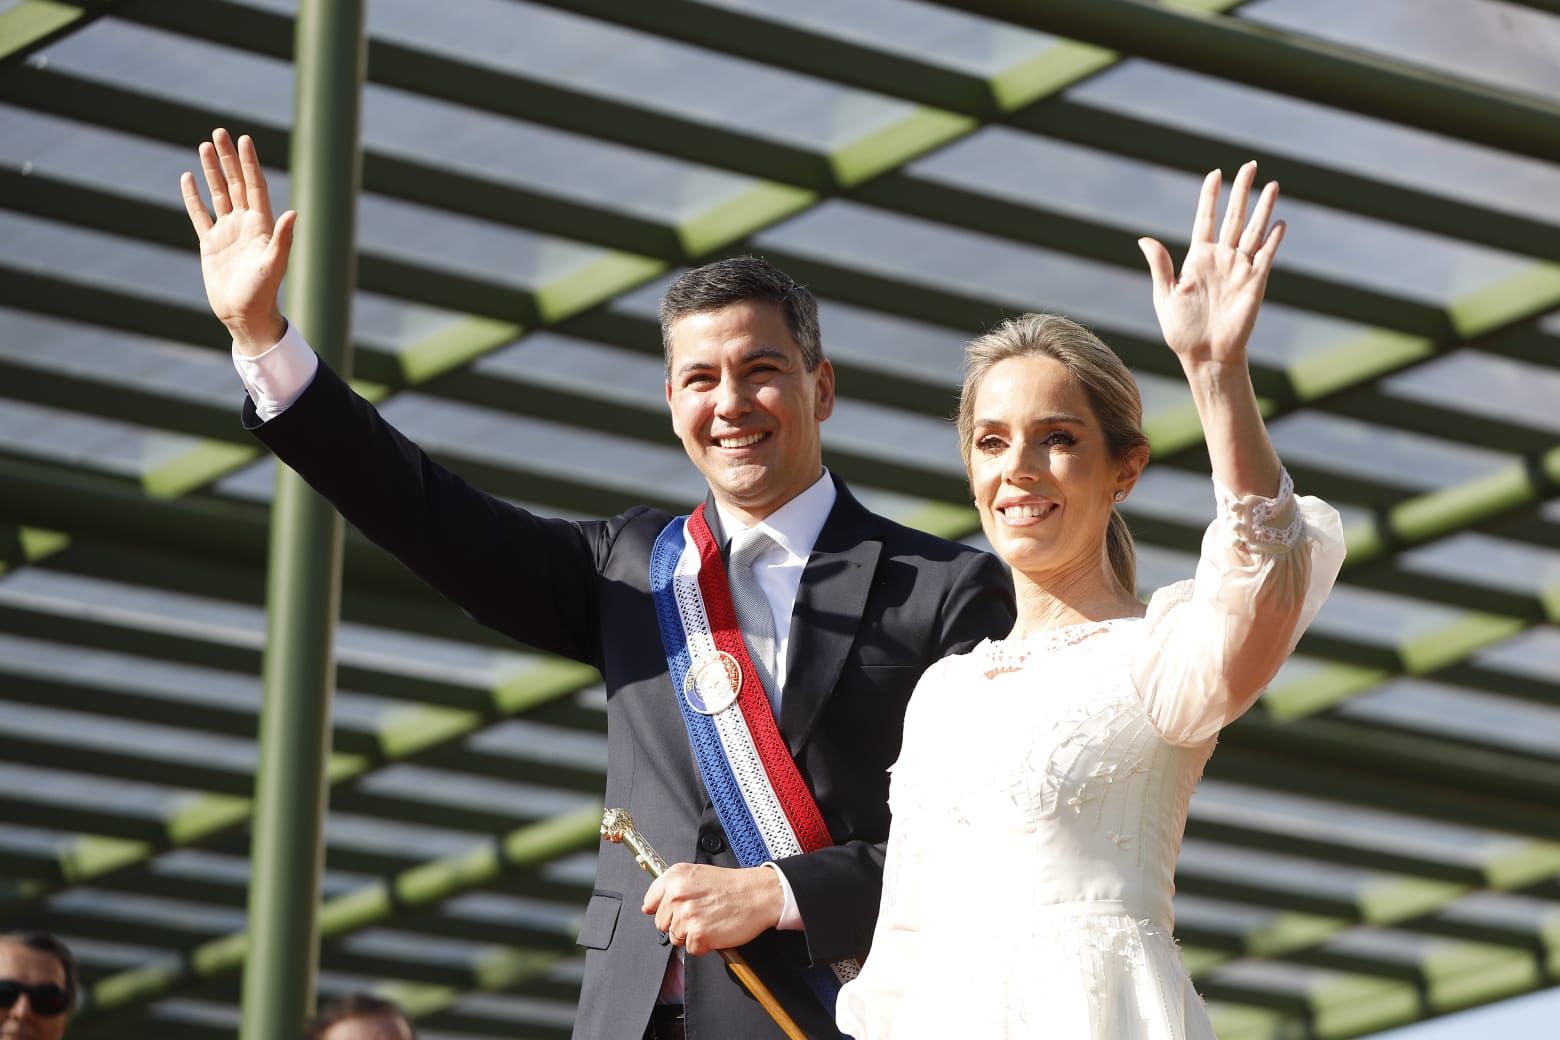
(1120, 496)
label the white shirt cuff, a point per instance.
(790, 916)
(278, 376)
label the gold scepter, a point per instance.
(617, 826)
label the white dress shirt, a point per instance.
(278, 376)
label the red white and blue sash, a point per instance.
(763, 803)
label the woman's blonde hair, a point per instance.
(1111, 390)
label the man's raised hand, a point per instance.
(243, 250)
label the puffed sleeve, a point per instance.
(1215, 642)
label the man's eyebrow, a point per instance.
(767, 353)
(688, 367)
(757, 354)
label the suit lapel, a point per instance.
(828, 611)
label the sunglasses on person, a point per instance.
(47, 999)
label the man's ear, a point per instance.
(825, 374)
(672, 411)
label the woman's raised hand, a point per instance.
(243, 251)
(1207, 315)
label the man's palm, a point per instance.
(237, 265)
(243, 251)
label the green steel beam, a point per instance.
(69, 298)
(1547, 6)
(30, 25)
(133, 519)
(1451, 974)
(1490, 429)
(519, 96)
(418, 732)
(1381, 899)
(1298, 66)
(1027, 95)
(1436, 514)
(88, 199)
(739, 150)
(1406, 756)
(860, 63)
(1303, 176)
(369, 906)
(229, 890)
(1359, 783)
(498, 309)
(1330, 1006)
(1055, 229)
(227, 779)
(1333, 293)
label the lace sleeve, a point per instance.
(1215, 642)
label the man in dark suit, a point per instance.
(859, 606)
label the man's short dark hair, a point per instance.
(356, 1005)
(43, 942)
(737, 280)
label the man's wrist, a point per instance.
(788, 918)
(251, 337)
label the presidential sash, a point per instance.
(763, 803)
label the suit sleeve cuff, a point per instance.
(278, 376)
(790, 916)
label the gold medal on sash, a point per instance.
(713, 683)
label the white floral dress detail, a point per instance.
(1041, 793)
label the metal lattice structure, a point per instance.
(1378, 841)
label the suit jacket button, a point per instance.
(712, 842)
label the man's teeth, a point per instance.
(740, 442)
(1022, 512)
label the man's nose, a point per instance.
(731, 397)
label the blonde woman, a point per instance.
(1041, 793)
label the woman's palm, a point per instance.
(1208, 313)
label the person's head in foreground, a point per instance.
(37, 986)
(360, 1017)
(747, 382)
(1050, 428)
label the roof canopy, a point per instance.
(1378, 841)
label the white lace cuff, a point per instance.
(1257, 524)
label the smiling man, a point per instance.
(757, 653)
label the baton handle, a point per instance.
(617, 826)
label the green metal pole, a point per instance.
(304, 586)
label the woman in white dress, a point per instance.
(1041, 793)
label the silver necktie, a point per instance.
(753, 611)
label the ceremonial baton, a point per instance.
(617, 826)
